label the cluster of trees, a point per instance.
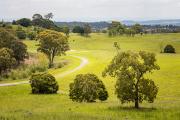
(116, 28)
(12, 50)
(43, 22)
(161, 29)
(84, 31)
(129, 68)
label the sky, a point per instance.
(91, 10)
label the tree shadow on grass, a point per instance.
(131, 109)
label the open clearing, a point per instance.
(18, 104)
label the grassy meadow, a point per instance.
(17, 102)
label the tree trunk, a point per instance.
(137, 97)
(136, 103)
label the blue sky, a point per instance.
(92, 10)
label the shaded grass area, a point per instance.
(17, 103)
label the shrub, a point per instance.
(31, 35)
(87, 88)
(169, 49)
(21, 34)
(43, 83)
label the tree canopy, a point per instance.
(52, 43)
(130, 68)
(25, 22)
(8, 40)
(6, 59)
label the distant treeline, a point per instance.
(99, 26)
(161, 29)
(94, 25)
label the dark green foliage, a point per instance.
(137, 28)
(116, 28)
(37, 16)
(87, 88)
(21, 34)
(31, 35)
(19, 50)
(14, 22)
(43, 83)
(39, 21)
(84, 31)
(130, 32)
(169, 49)
(66, 30)
(78, 29)
(25, 22)
(129, 68)
(6, 59)
(8, 40)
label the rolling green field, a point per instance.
(17, 103)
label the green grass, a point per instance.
(17, 103)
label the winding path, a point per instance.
(84, 61)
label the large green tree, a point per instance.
(130, 69)
(52, 43)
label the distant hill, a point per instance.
(94, 25)
(154, 22)
(103, 25)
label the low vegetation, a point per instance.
(169, 49)
(87, 88)
(43, 83)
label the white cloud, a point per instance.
(91, 10)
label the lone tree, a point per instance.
(87, 88)
(130, 68)
(52, 43)
(87, 29)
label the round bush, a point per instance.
(21, 34)
(169, 49)
(31, 35)
(87, 88)
(43, 83)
